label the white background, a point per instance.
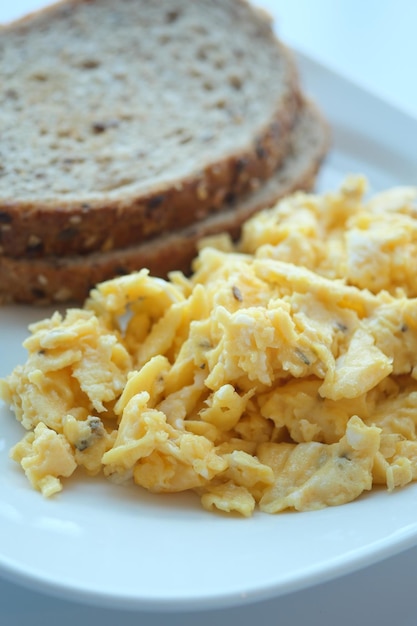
(373, 42)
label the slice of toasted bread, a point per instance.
(121, 120)
(62, 279)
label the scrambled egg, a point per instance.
(281, 375)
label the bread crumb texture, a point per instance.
(101, 96)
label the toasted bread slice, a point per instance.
(63, 279)
(121, 120)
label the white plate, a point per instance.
(121, 547)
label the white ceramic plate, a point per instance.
(122, 547)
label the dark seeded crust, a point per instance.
(58, 280)
(120, 211)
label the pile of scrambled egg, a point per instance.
(281, 375)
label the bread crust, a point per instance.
(62, 279)
(106, 221)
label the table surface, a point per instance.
(374, 44)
